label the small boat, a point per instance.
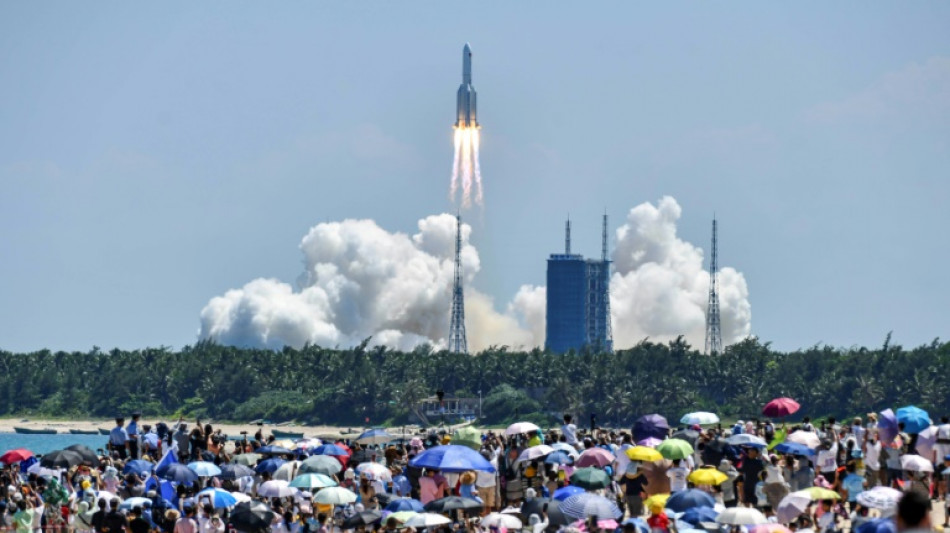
(286, 434)
(104, 431)
(39, 431)
(84, 431)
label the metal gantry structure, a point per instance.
(713, 329)
(457, 340)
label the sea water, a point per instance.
(40, 444)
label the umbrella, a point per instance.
(581, 506)
(312, 481)
(452, 503)
(792, 505)
(335, 496)
(534, 452)
(468, 436)
(42, 471)
(805, 438)
(521, 427)
(883, 498)
(205, 469)
(375, 471)
(179, 473)
(914, 419)
(650, 426)
(362, 518)
(644, 454)
(234, 471)
(374, 436)
(251, 516)
(275, 488)
(878, 525)
(590, 478)
(916, 463)
(696, 515)
(687, 499)
(452, 458)
(287, 471)
(269, 465)
(887, 426)
(105, 495)
(306, 444)
(274, 450)
(500, 520)
(656, 500)
(331, 449)
(536, 506)
(61, 459)
(926, 441)
(558, 457)
(421, 520)
(650, 442)
(820, 493)
(780, 407)
(744, 439)
(220, 499)
(769, 528)
(566, 448)
(404, 504)
(320, 464)
(595, 457)
(401, 516)
(246, 459)
(741, 516)
(689, 435)
(89, 457)
(564, 493)
(134, 502)
(714, 451)
(137, 466)
(706, 476)
(16, 455)
(675, 449)
(700, 417)
(794, 448)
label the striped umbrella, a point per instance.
(582, 506)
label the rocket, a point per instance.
(465, 112)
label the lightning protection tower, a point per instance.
(713, 330)
(457, 341)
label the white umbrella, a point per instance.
(426, 520)
(534, 452)
(744, 439)
(700, 417)
(566, 448)
(741, 516)
(41, 471)
(240, 496)
(791, 506)
(276, 488)
(306, 444)
(916, 463)
(500, 520)
(375, 471)
(883, 498)
(335, 496)
(927, 441)
(520, 427)
(805, 438)
(287, 471)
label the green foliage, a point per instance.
(315, 384)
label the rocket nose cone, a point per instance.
(467, 49)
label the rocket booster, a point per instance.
(465, 111)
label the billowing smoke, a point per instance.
(361, 281)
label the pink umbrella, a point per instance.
(780, 407)
(652, 442)
(595, 457)
(926, 443)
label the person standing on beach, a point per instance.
(119, 439)
(132, 432)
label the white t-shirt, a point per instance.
(486, 479)
(570, 433)
(827, 459)
(872, 455)
(677, 476)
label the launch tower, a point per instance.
(457, 341)
(713, 330)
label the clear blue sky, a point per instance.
(153, 156)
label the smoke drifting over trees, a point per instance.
(361, 280)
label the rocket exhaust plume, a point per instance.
(466, 171)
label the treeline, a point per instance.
(333, 386)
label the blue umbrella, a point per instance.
(878, 525)
(221, 499)
(374, 436)
(793, 448)
(687, 499)
(329, 449)
(558, 458)
(179, 473)
(581, 506)
(452, 458)
(564, 493)
(404, 504)
(273, 450)
(269, 465)
(401, 485)
(914, 419)
(234, 471)
(205, 469)
(699, 514)
(137, 466)
(650, 426)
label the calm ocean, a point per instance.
(47, 443)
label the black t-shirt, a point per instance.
(99, 520)
(750, 470)
(116, 522)
(139, 525)
(634, 486)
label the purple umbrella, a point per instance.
(887, 426)
(650, 426)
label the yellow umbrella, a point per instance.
(402, 516)
(818, 493)
(643, 453)
(707, 476)
(656, 500)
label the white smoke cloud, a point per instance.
(361, 281)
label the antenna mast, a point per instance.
(457, 340)
(609, 336)
(567, 236)
(713, 330)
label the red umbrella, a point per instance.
(780, 407)
(16, 456)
